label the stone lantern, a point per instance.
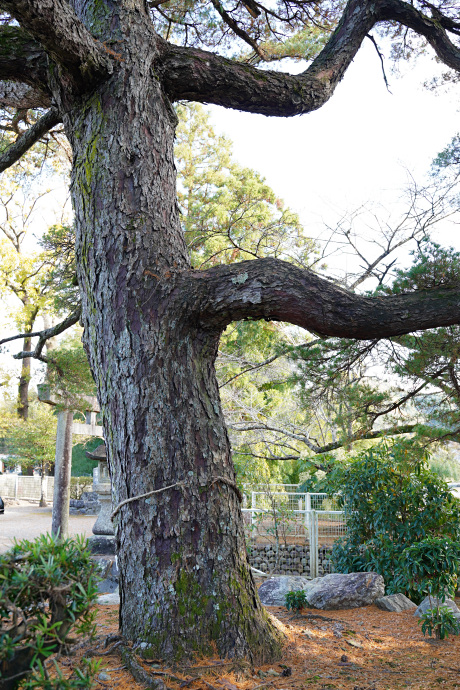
(101, 484)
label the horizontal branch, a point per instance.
(56, 27)
(198, 75)
(44, 335)
(274, 290)
(30, 137)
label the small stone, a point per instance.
(104, 676)
(395, 602)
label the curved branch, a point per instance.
(274, 290)
(44, 335)
(29, 138)
(198, 75)
(54, 24)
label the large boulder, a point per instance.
(395, 603)
(345, 591)
(335, 591)
(431, 603)
(273, 592)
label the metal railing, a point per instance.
(310, 523)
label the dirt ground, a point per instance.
(358, 649)
(24, 520)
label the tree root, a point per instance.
(138, 672)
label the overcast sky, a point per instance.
(358, 148)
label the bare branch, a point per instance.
(237, 29)
(265, 363)
(44, 335)
(30, 137)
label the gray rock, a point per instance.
(109, 599)
(395, 602)
(431, 603)
(336, 591)
(273, 591)
(101, 545)
(345, 591)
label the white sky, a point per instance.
(355, 149)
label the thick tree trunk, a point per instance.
(185, 581)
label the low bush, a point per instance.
(296, 600)
(47, 589)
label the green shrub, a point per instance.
(393, 501)
(431, 567)
(78, 485)
(47, 589)
(441, 621)
(296, 601)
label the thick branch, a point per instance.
(201, 76)
(277, 291)
(29, 138)
(54, 24)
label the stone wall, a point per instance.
(294, 559)
(88, 504)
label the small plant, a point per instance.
(440, 621)
(47, 589)
(296, 601)
(432, 566)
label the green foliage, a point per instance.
(433, 267)
(440, 621)
(69, 375)
(432, 566)
(229, 212)
(47, 589)
(30, 443)
(296, 600)
(393, 501)
(79, 485)
(81, 465)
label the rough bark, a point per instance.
(65, 39)
(152, 325)
(277, 291)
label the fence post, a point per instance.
(313, 544)
(253, 507)
(16, 485)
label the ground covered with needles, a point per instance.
(357, 649)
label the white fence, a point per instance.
(292, 532)
(18, 486)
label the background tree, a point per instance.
(152, 322)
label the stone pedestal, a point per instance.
(101, 485)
